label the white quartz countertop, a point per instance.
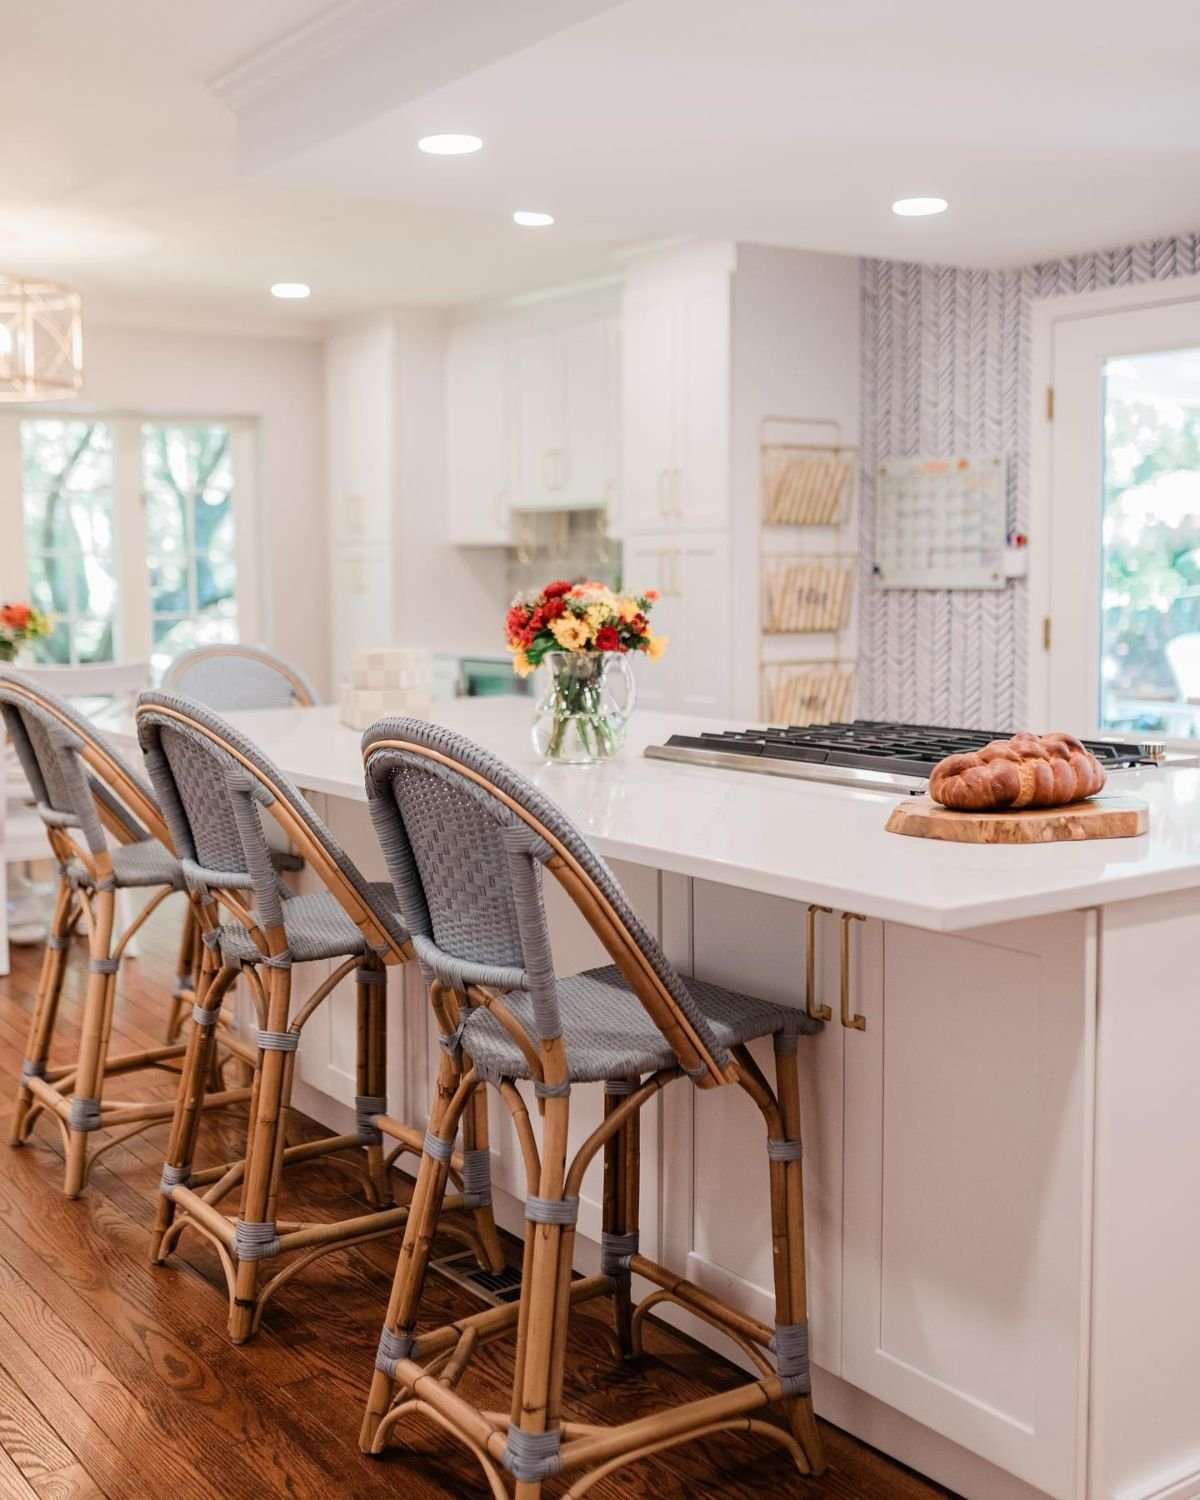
(777, 835)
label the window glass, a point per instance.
(67, 496)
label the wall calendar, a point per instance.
(941, 523)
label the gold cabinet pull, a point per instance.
(817, 1012)
(851, 1022)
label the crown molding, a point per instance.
(296, 52)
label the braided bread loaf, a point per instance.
(1027, 771)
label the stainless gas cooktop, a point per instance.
(867, 753)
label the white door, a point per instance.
(1124, 521)
(583, 468)
(478, 456)
(966, 1235)
(536, 368)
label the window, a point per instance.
(67, 485)
(187, 473)
(137, 535)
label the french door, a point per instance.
(1124, 523)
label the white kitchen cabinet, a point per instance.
(360, 389)
(479, 457)
(561, 396)
(361, 587)
(676, 404)
(966, 1211)
(716, 1206)
(691, 572)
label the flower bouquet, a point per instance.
(584, 633)
(20, 623)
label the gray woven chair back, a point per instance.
(467, 868)
(49, 736)
(231, 677)
(211, 782)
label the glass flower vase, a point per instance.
(581, 716)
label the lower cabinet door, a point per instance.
(966, 1230)
(716, 1203)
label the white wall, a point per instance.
(278, 381)
(796, 353)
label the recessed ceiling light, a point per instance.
(917, 208)
(291, 291)
(450, 145)
(532, 220)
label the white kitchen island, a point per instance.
(1002, 1161)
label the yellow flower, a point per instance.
(658, 644)
(522, 666)
(570, 632)
(598, 615)
(627, 609)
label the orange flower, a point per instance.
(15, 615)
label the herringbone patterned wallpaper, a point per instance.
(946, 369)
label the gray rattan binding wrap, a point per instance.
(212, 783)
(227, 678)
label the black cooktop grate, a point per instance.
(875, 744)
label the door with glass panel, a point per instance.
(137, 536)
(1124, 569)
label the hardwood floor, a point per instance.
(117, 1379)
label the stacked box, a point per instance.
(387, 684)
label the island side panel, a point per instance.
(1145, 1416)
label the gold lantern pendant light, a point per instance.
(41, 340)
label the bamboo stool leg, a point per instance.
(263, 1157)
(787, 1223)
(45, 1008)
(189, 1101)
(541, 1338)
(413, 1260)
(371, 1077)
(185, 972)
(476, 1138)
(85, 1102)
(622, 1184)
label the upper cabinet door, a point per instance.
(699, 487)
(648, 351)
(537, 379)
(588, 417)
(478, 439)
(675, 402)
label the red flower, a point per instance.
(557, 589)
(607, 638)
(514, 621)
(537, 619)
(553, 607)
(16, 615)
(638, 624)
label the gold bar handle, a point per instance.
(817, 1012)
(849, 1021)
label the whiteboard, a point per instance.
(941, 523)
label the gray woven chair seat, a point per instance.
(610, 1035)
(316, 927)
(146, 863)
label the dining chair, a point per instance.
(212, 784)
(106, 835)
(469, 842)
(227, 678)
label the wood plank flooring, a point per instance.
(117, 1379)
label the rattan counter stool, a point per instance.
(106, 834)
(467, 841)
(211, 784)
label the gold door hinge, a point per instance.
(1049, 403)
(1046, 633)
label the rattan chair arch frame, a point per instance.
(255, 1239)
(103, 800)
(302, 691)
(417, 1372)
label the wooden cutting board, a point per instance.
(1103, 817)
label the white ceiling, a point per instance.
(1050, 127)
